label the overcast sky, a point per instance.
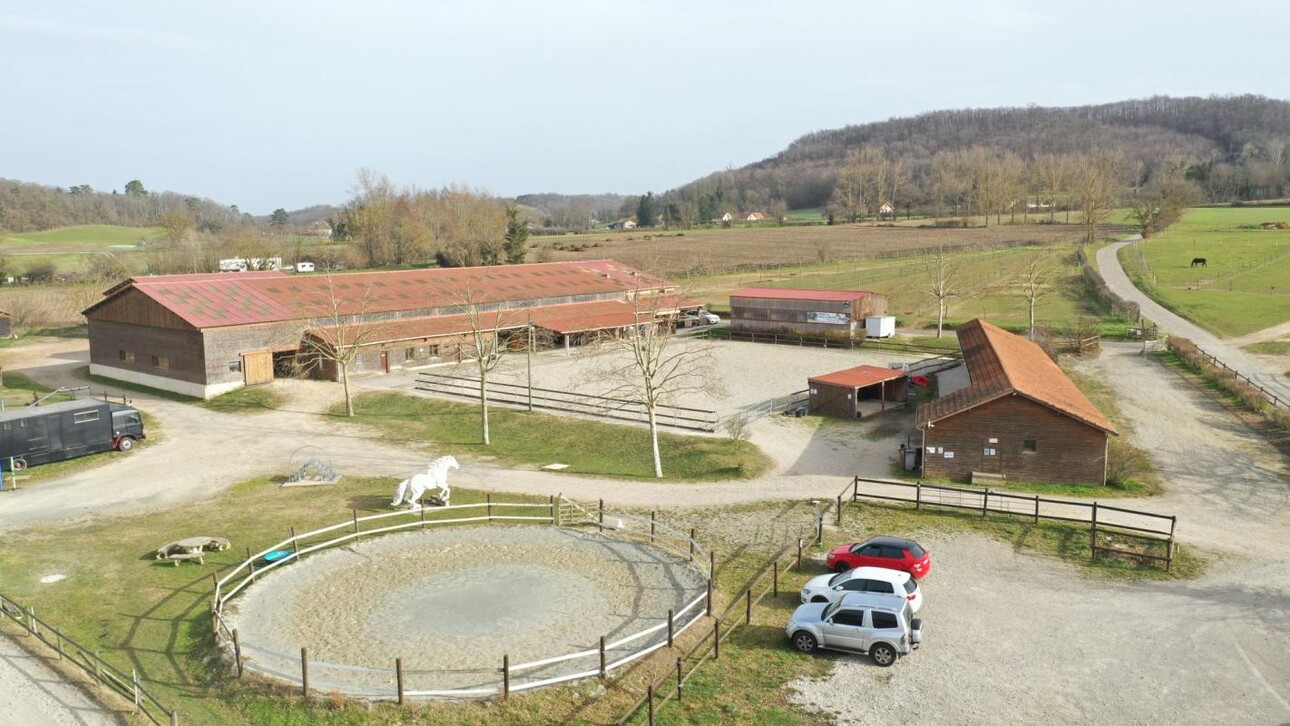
(276, 104)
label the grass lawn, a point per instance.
(1243, 287)
(537, 439)
(1270, 347)
(66, 247)
(250, 399)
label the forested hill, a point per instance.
(27, 207)
(1233, 147)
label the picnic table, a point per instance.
(191, 549)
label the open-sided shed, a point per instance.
(858, 392)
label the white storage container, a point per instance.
(880, 326)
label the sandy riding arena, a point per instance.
(451, 602)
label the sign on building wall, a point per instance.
(828, 318)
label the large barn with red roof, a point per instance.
(1021, 417)
(206, 334)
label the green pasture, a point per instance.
(988, 284)
(82, 238)
(536, 439)
(1245, 285)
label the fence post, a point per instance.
(506, 677)
(680, 682)
(918, 495)
(671, 624)
(603, 672)
(716, 639)
(355, 511)
(649, 698)
(31, 620)
(839, 510)
(692, 533)
(295, 544)
(709, 598)
(134, 677)
(488, 501)
(748, 606)
(422, 512)
(304, 671)
(1169, 552)
(855, 488)
(551, 507)
(174, 718)
(60, 644)
(774, 578)
(237, 652)
(1092, 540)
(600, 522)
(985, 501)
(1036, 509)
(651, 526)
(800, 542)
(398, 678)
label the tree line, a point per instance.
(27, 207)
(1230, 148)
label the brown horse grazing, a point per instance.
(1198, 262)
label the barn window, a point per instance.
(126, 356)
(409, 353)
(1028, 445)
(85, 417)
(161, 362)
(235, 366)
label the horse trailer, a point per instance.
(42, 434)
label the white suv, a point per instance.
(827, 588)
(883, 626)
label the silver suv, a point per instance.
(881, 625)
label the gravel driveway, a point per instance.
(1014, 637)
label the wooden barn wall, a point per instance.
(767, 315)
(182, 349)
(223, 346)
(832, 400)
(133, 307)
(1067, 451)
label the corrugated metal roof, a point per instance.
(791, 293)
(218, 300)
(1000, 363)
(859, 377)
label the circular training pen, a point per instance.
(458, 608)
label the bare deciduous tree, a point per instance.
(1034, 285)
(653, 367)
(1097, 183)
(338, 331)
(941, 271)
(488, 324)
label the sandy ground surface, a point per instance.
(33, 695)
(1019, 638)
(452, 602)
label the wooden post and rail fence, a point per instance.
(105, 674)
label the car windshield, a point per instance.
(915, 550)
(910, 586)
(832, 608)
(838, 578)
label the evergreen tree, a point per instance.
(279, 219)
(645, 213)
(517, 235)
(134, 188)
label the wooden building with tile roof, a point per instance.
(206, 334)
(1020, 418)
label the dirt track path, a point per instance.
(1276, 332)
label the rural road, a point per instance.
(1108, 263)
(33, 694)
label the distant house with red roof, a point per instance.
(807, 313)
(206, 334)
(1021, 417)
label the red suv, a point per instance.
(893, 553)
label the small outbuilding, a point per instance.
(806, 313)
(858, 392)
(1020, 418)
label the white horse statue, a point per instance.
(412, 489)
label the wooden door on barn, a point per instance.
(257, 368)
(385, 361)
(991, 459)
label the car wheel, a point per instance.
(125, 444)
(883, 655)
(805, 642)
(840, 567)
(819, 598)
